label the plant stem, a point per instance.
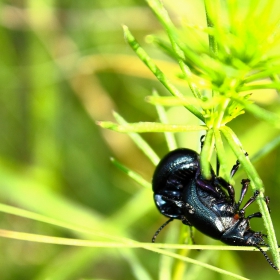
(157, 72)
(212, 42)
(256, 184)
(221, 111)
(206, 153)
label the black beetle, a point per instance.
(180, 192)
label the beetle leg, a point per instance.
(203, 183)
(202, 141)
(192, 235)
(249, 202)
(217, 166)
(267, 200)
(245, 184)
(236, 166)
(186, 222)
(254, 215)
(224, 184)
(206, 186)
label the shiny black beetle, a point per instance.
(180, 192)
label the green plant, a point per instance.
(66, 211)
(239, 59)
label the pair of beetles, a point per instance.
(180, 192)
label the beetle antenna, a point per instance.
(160, 229)
(267, 257)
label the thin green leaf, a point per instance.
(170, 138)
(266, 149)
(164, 46)
(213, 46)
(118, 242)
(132, 174)
(145, 127)
(156, 71)
(256, 184)
(206, 103)
(221, 155)
(176, 44)
(102, 244)
(138, 140)
(206, 154)
(263, 73)
(259, 112)
(139, 271)
(259, 86)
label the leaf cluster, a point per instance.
(236, 54)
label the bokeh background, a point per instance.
(63, 66)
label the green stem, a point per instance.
(132, 174)
(221, 111)
(256, 184)
(163, 16)
(139, 141)
(206, 154)
(157, 72)
(170, 138)
(221, 154)
(213, 46)
(180, 266)
(259, 112)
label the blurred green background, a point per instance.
(64, 65)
